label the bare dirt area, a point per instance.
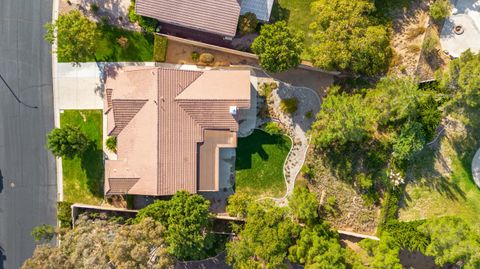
(409, 26)
(350, 212)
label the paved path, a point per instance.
(476, 168)
(27, 177)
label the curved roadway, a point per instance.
(27, 170)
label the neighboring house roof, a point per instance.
(213, 16)
(170, 125)
(261, 8)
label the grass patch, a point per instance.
(297, 15)
(83, 176)
(109, 49)
(259, 164)
(160, 48)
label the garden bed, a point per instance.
(83, 176)
(259, 164)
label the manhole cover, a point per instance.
(458, 29)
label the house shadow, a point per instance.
(3, 258)
(254, 144)
(1, 181)
(279, 13)
(93, 165)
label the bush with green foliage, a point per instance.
(273, 128)
(289, 105)
(247, 23)
(111, 143)
(238, 204)
(148, 24)
(278, 47)
(195, 56)
(440, 9)
(187, 224)
(406, 235)
(67, 142)
(94, 8)
(348, 37)
(206, 58)
(43, 232)
(304, 205)
(75, 36)
(64, 214)
(384, 253)
(160, 47)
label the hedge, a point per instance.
(64, 214)
(160, 48)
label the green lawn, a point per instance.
(139, 49)
(259, 164)
(83, 176)
(456, 195)
(297, 15)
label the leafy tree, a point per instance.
(346, 37)
(383, 252)
(247, 23)
(304, 205)
(186, 220)
(67, 142)
(43, 232)
(406, 235)
(265, 238)
(343, 119)
(316, 248)
(410, 142)
(75, 35)
(97, 243)
(238, 204)
(440, 9)
(278, 47)
(462, 81)
(452, 241)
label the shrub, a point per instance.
(123, 42)
(413, 33)
(440, 9)
(148, 24)
(247, 23)
(238, 204)
(307, 171)
(273, 128)
(414, 48)
(64, 214)
(160, 48)
(43, 232)
(309, 114)
(266, 89)
(195, 56)
(111, 143)
(206, 58)
(330, 205)
(289, 105)
(67, 142)
(430, 45)
(364, 181)
(94, 8)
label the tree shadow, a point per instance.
(1, 181)
(253, 144)
(279, 13)
(93, 165)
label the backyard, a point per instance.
(259, 164)
(83, 176)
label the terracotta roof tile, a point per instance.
(123, 113)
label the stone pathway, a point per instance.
(297, 126)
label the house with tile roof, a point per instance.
(170, 126)
(218, 17)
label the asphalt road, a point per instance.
(27, 170)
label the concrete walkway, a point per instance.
(476, 168)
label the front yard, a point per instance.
(83, 176)
(259, 164)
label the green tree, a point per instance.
(187, 223)
(75, 35)
(265, 238)
(346, 37)
(278, 47)
(67, 142)
(316, 248)
(410, 141)
(440, 9)
(462, 81)
(111, 143)
(343, 119)
(384, 253)
(247, 23)
(452, 241)
(43, 232)
(304, 205)
(238, 204)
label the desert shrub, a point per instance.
(266, 89)
(195, 56)
(273, 128)
(330, 205)
(413, 33)
(94, 8)
(206, 58)
(64, 214)
(160, 48)
(430, 44)
(307, 171)
(289, 105)
(440, 9)
(123, 42)
(414, 48)
(111, 143)
(247, 23)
